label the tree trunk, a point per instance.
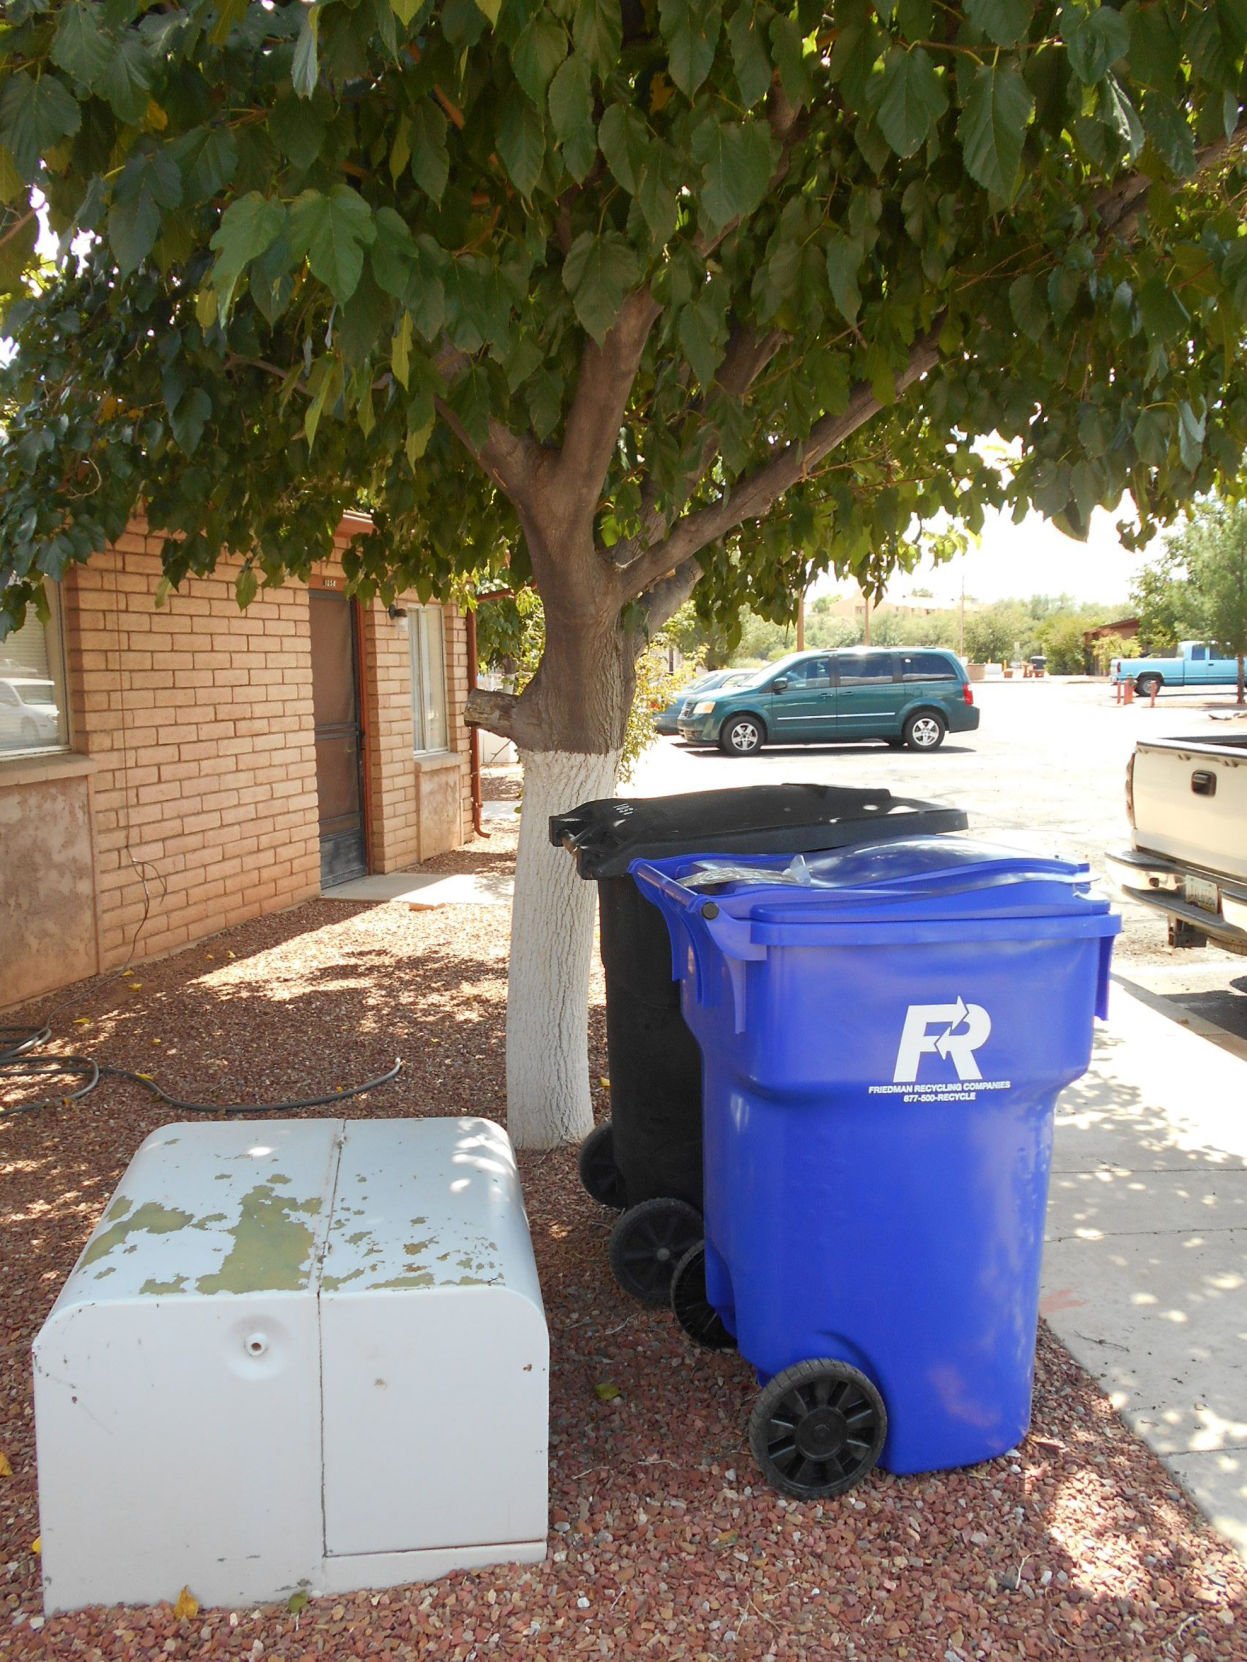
(551, 942)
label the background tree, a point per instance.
(589, 287)
(1166, 607)
(1213, 547)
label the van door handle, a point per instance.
(1204, 784)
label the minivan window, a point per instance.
(864, 666)
(927, 666)
(815, 672)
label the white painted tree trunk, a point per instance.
(551, 942)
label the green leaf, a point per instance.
(571, 115)
(491, 10)
(245, 585)
(657, 194)
(1118, 113)
(702, 332)
(333, 232)
(992, 128)
(248, 226)
(125, 82)
(539, 49)
(1028, 307)
(1166, 127)
(35, 112)
(82, 47)
(597, 273)
(325, 386)
(305, 69)
(691, 31)
(1151, 437)
(133, 227)
(430, 159)
(736, 167)
(750, 58)
(12, 185)
(1094, 41)
(1005, 22)
(843, 260)
(1191, 431)
(911, 99)
(521, 143)
(189, 418)
(597, 29)
(625, 142)
(17, 247)
(400, 350)
(788, 49)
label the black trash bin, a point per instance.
(646, 1161)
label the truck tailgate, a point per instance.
(1190, 801)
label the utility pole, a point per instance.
(801, 621)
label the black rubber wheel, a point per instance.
(690, 1306)
(741, 736)
(1146, 685)
(648, 1242)
(817, 1429)
(598, 1171)
(925, 730)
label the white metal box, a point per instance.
(295, 1354)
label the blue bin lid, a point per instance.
(919, 878)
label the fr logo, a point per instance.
(951, 1031)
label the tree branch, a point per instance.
(494, 710)
(507, 458)
(746, 357)
(1120, 207)
(753, 495)
(607, 374)
(666, 598)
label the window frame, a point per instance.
(420, 620)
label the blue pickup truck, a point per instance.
(1196, 664)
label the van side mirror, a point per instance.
(780, 684)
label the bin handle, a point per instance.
(701, 916)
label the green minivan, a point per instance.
(903, 695)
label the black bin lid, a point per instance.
(753, 819)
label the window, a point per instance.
(428, 678)
(33, 714)
(927, 666)
(814, 672)
(857, 667)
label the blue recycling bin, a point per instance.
(884, 1034)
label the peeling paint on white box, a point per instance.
(265, 1370)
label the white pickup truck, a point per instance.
(1187, 804)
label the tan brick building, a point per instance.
(168, 771)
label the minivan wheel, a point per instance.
(741, 736)
(925, 730)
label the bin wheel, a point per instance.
(648, 1242)
(817, 1429)
(690, 1306)
(598, 1171)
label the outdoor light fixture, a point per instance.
(398, 615)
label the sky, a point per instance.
(1014, 562)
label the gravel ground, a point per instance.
(664, 1542)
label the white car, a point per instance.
(29, 716)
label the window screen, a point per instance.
(428, 678)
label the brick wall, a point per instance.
(198, 719)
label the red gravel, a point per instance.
(664, 1541)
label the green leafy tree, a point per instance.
(585, 288)
(1166, 606)
(1000, 633)
(1213, 547)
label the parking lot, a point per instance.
(1045, 772)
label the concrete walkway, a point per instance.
(1145, 1268)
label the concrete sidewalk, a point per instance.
(1145, 1267)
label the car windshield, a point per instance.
(34, 692)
